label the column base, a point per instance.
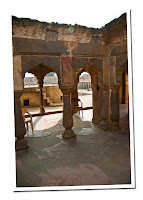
(68, 133)
(104, 125)
(96, 121)
(42, 110)
(21, 144)
(114, 126)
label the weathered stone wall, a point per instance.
(34, 37)
(31, 94)
(50, 41)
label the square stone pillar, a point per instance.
(114, 101)
(104, 124)
(20, 131)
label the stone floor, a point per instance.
(95, 157)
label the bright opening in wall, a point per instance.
(85, 89)
(52, 103)
(50, 79)
(30, 80)
(85, 95)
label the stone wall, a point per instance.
(33, 95)
(48, 38)
(54, 93)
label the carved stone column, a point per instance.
(114, 101)
(104, 124)
(96, 100)
(20, 131)
(67, 115)
(40, 81)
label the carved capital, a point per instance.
(114, 88)
(40, 82)
(66, 91)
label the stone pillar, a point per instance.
(20, 131)
(123, 88)
(41, 95)
(96, 100)
(114, 102)
(67, 115)
(104, 124)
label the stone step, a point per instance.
(47, 98)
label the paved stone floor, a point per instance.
(95, 157)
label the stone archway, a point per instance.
(96, 88)
(40, 71)
(38, 66)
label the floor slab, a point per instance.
(94, 157)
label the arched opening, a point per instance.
(85, 96)
(87, 93)
(41, 85)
